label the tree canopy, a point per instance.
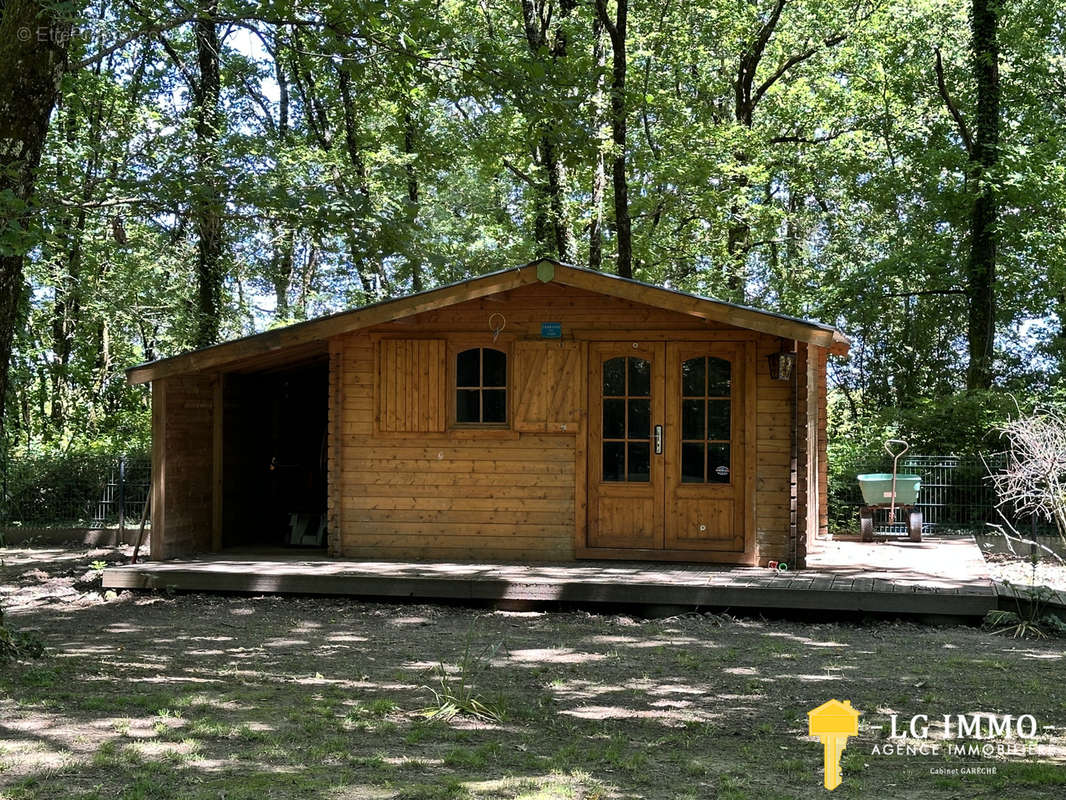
(895, 167)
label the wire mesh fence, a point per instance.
(75, 491)
(72, 491)
(955, 494)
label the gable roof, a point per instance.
(544, 270)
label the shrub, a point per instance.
(66, 488)
(1034, 480)
(17, 644)
(455, 692)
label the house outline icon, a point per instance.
(833, 722)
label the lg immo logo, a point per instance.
(960, 735)
(971, 735)
(833, 722)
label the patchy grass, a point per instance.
(258, 698)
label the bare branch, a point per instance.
(792, 61)
(798, 139)
(1034, 480)
(525, 176)
(112, 201)
(922, 292)
(190, 79)
(1014, 536)
(942, 86)
(148, 30)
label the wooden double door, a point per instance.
(668, 450)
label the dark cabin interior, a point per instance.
(274, 457)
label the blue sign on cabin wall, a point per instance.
(551, 330)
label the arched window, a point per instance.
(481, 386)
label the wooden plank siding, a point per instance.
(515, 494)
(579, 311)
(547, 384)
(822, 391)
(811, 467)
(773, 447)
(413, 399)
(335, 447)
(423, 496)
(183, 464)
(802, 449)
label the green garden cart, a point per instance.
(881, 490)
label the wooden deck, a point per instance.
(937, 576)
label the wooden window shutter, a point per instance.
(411, 385)
(547, 382)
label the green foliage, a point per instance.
(1030, 618)
(47, 489)
(375, 149)
(455, 690)
(965, 425)
(957, 424)
(18, 644)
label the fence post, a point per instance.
(121, 496)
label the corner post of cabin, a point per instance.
(802, 456)
(793, 456)
(182, 458)
(814, 388)
(217, 444)
(751, 452)
(157, 509)
(335, 447)
(822, 441)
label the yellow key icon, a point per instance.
(833, 722)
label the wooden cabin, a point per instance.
(542, 413)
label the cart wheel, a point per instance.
(914, 526)
(866, 524)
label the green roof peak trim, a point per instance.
(545, 272)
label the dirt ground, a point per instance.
(208, 696)
(1022, 572)
(1015, 564)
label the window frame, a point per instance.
(457, 345)
(706, 400)
(626, 440)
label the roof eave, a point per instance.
(475, 288)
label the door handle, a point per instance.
(658, 440)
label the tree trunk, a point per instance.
(372, 277)
(413, 258)
(565, 244)
(981, 265)
(599, 175)
(66, 314)
(31, 68)
(738, 234)
(281, 269)
(208, 193)
(738, 238)
(284, 234)
(616, 29)
(536, 18)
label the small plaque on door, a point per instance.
(722, 470)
